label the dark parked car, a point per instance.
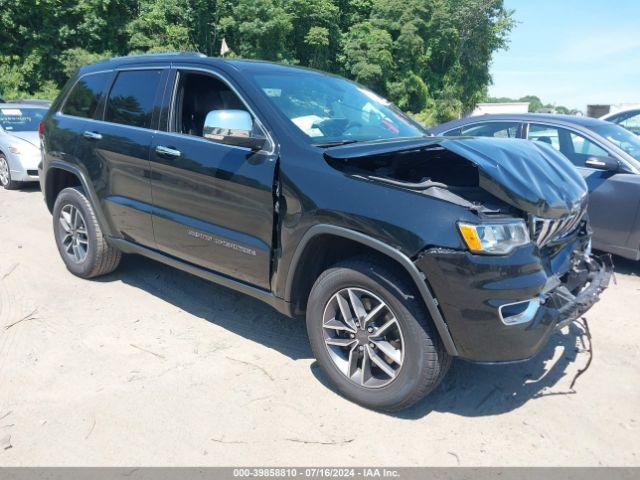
(317, 196)
(607, 156)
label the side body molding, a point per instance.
(87, 186)
(395, 254)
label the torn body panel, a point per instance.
(530, 177)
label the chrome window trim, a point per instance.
(224, 80)
(103, 122)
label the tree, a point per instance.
(367, 55)
(431, 57)
(315, 34)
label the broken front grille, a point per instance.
(546, 230)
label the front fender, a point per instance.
(394, 254)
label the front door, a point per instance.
(213, 203)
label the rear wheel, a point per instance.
(372, 336)
(79, 238)
(5, 175)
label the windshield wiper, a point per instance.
(336, 143)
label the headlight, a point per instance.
(494, 238)
(15, 150)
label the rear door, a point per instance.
(610, 214)
(116, 151)
(213, 202)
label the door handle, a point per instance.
(92, 135)
(170, 152)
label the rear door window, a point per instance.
(545, 134)
(492, 129)
(132, 96)
(86, 96)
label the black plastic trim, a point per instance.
(86, 186)
(395, 254)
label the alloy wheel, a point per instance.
(4, 171)
(75, 241)
(363, 337)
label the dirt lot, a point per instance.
(151, 366)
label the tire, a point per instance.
(424, 361)
(99, 257)
(5, 180)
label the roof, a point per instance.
(523, 117)
(237, 63)
(618, 112)
(503, 103)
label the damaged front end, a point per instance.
(498, 304)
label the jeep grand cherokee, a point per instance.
(319, 197)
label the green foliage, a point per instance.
(367, 55)
(428, 56)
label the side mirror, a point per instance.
(602, 163)
(233, 127)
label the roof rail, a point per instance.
(159, 54)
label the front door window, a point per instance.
(576, 147)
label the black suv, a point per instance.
(317, 196)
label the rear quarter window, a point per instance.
(86, 94)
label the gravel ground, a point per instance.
(152, 366)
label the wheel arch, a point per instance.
(61, 175)
(324, 245)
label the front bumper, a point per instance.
(475, 292)
(24, 167)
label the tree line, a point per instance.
(536, 105)
(431, 57)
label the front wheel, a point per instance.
(79, 238)
(373, 337)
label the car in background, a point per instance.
(629, 119)
(607, 156)
(19, 142)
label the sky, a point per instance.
(571, 52)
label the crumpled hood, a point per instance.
(530, 176)
(31, 137)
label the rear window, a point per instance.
(14, 119)
(86, 95)
(132, 97)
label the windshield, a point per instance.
(21, 119)
(621, 138)
(331, 110)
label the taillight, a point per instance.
(40, 130)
